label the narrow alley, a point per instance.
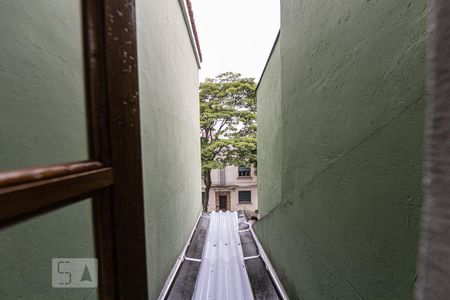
(223, 261)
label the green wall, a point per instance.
(42, 121)
(353, 101)
(27, 250)
(269, 133)
(42, 103)
(168, 79)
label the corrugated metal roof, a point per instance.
(222, 273)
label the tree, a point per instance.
(228, 124)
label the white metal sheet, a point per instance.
(222, 274)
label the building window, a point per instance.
(222, 178)
(244, 172)
(245, 196)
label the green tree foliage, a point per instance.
(228, 124)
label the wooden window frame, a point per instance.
(434, 262)
(112, 176)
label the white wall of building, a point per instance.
(233, 183)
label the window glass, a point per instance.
(245, 196)
(42, 101)
(28, 248)
(244, 171)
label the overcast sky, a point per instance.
(236, 35)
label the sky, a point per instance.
(236, 35)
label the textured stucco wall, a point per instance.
(27, 250)
(42, 107)
(269, 133)
(168, 79)
(353, 94)
(42, 121)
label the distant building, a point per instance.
(233, 188)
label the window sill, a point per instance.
(244, 177)
(245, 203)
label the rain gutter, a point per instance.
(270, 269)
(182, 257)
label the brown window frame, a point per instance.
(434, 263)
(112, 176)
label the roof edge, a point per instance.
(268, 59)
(188, 14)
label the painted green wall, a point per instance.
(42, 106)
(168, 79)
(269, 134)
(353, 100)
(27, 250)
(42, 121)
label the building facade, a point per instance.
(233, 188)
